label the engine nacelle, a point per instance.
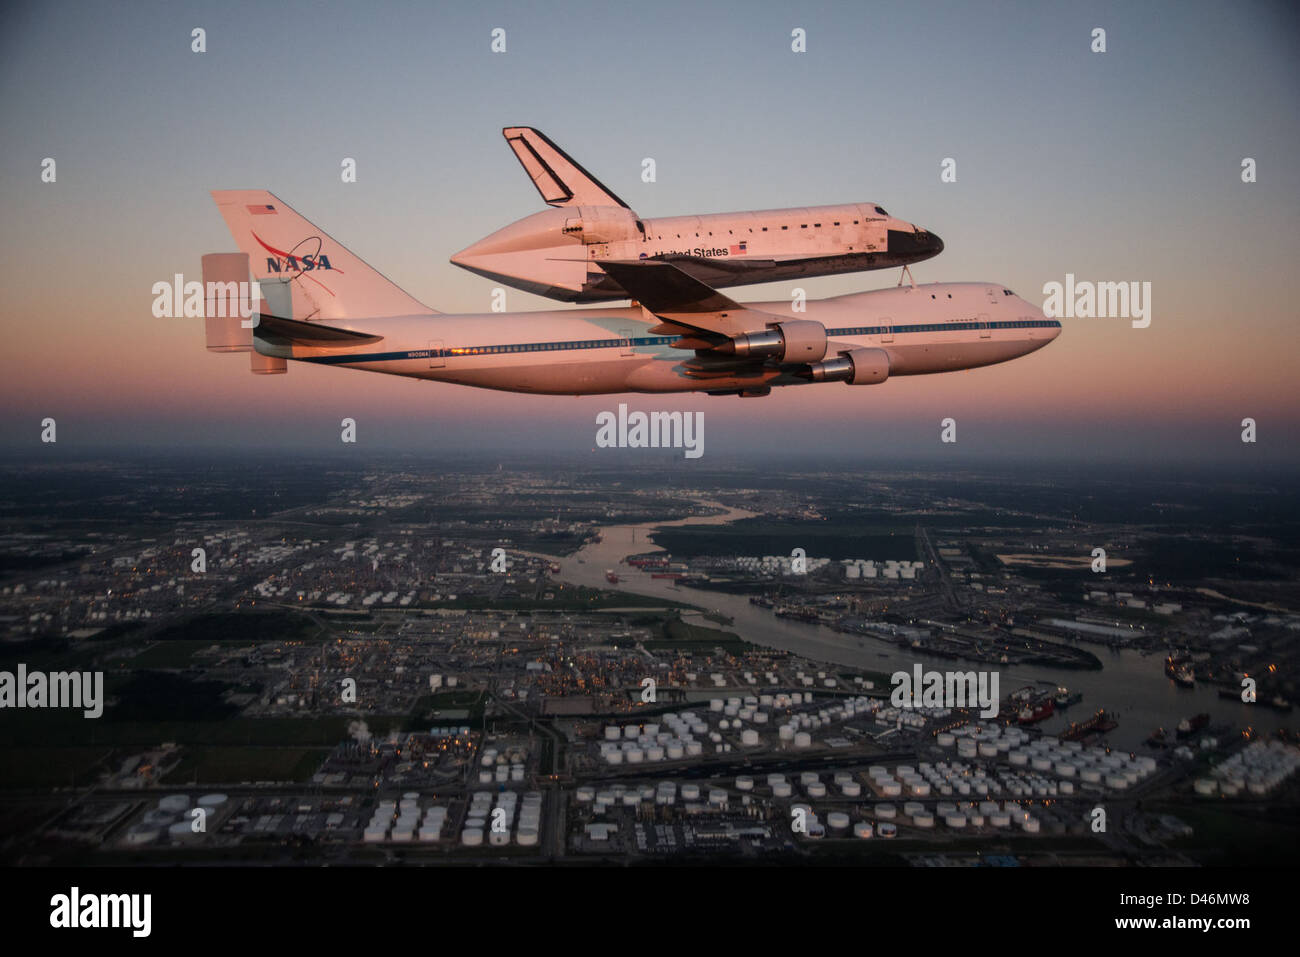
(797, 340)
(856, 367)
(603, 224)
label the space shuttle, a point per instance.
(561, 253)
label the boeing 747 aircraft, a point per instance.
(560, 252)
(322, 304)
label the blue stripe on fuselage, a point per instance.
(518, 348)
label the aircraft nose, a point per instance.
(915, 244)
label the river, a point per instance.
(1131, 685)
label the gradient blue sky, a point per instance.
(1123, 165)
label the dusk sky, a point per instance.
(1115, 166)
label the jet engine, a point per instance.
(856, 367)
(798, 340)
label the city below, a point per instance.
(402, 662)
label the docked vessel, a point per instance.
(1189, 726)
(1037, 711)
(1178, 666)
(1098, 724)
(1064, 697)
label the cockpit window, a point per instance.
(1007, 292)
(881, 211)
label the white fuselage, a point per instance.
(937, 327)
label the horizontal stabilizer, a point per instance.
(292, 332)
(560, 180)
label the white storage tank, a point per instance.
(174, 803)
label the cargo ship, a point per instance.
(797, 612)
(1189, 726)
(1098, 724)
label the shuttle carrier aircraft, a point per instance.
(560, 253)
(322, 304)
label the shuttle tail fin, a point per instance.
(329, 280)
(557, 176)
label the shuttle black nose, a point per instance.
(914, 246)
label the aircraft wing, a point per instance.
(557, 176)
(681, 300)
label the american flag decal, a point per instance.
(738, 250)
(261, 210)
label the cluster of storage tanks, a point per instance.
(837, 824)
(403, 822)
(685, 734)
(719, 680)
(797, 729)
(773, 565)
(1070, 762)
(1256, 769)
(174, 816)
(913, 719)
(499, 768)
(492, 818)
(855, 568)
(665, 793)
(637, 744)
(958, 815)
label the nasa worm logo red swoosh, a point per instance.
(283, 254)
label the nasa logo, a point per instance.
(300, 263)
(294, 260)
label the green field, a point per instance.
(52, 767)
(843, 538)
(1237, 834)
(679, 635)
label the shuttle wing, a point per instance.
(681, 300)
(560, 180)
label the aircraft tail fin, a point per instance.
(557, 176)
(329, 280)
